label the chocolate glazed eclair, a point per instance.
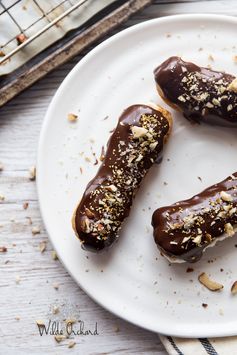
(134, 146)
(182, 231)
(201, 94)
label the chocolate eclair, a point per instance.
(182, 231)
(134, 146)
(201, 94)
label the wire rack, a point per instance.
(36, 36)
(41, 19)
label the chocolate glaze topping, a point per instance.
(184, 229)
(200, 93)
(134, 146)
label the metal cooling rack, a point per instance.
(36, 36)
(22, 39)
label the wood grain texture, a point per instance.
(28, 276)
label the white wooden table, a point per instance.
(31, 282)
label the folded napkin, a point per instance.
(201, 346)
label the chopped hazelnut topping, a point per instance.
(197, 240)
(182, 98)
(233, 86)
(111, 188)
(208, 283)
(138, 132)
(229, 229)
(225, 196)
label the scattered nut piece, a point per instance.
(54, 255)
(204, 305)
(72, 117)
(234, 288)
(189, 269)
(17, 318)
(25, 205)
(42, 247)
(55, 285)
(71, 344)
(2, 198)
(3, 249)
(208, 283)
(2, 54)
(21, 38)
(32, 173)
(59, 338)
(210, 57)
(235, 58)
(17, 279)
(226, 197)
(35, 230)
(40, 323)
(233, 86)
(55, 309)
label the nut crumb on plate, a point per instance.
(32, 173)
(234, 288)
(212, 285)
(72, 117)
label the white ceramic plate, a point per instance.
(132, 280)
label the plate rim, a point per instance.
(39, 181)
